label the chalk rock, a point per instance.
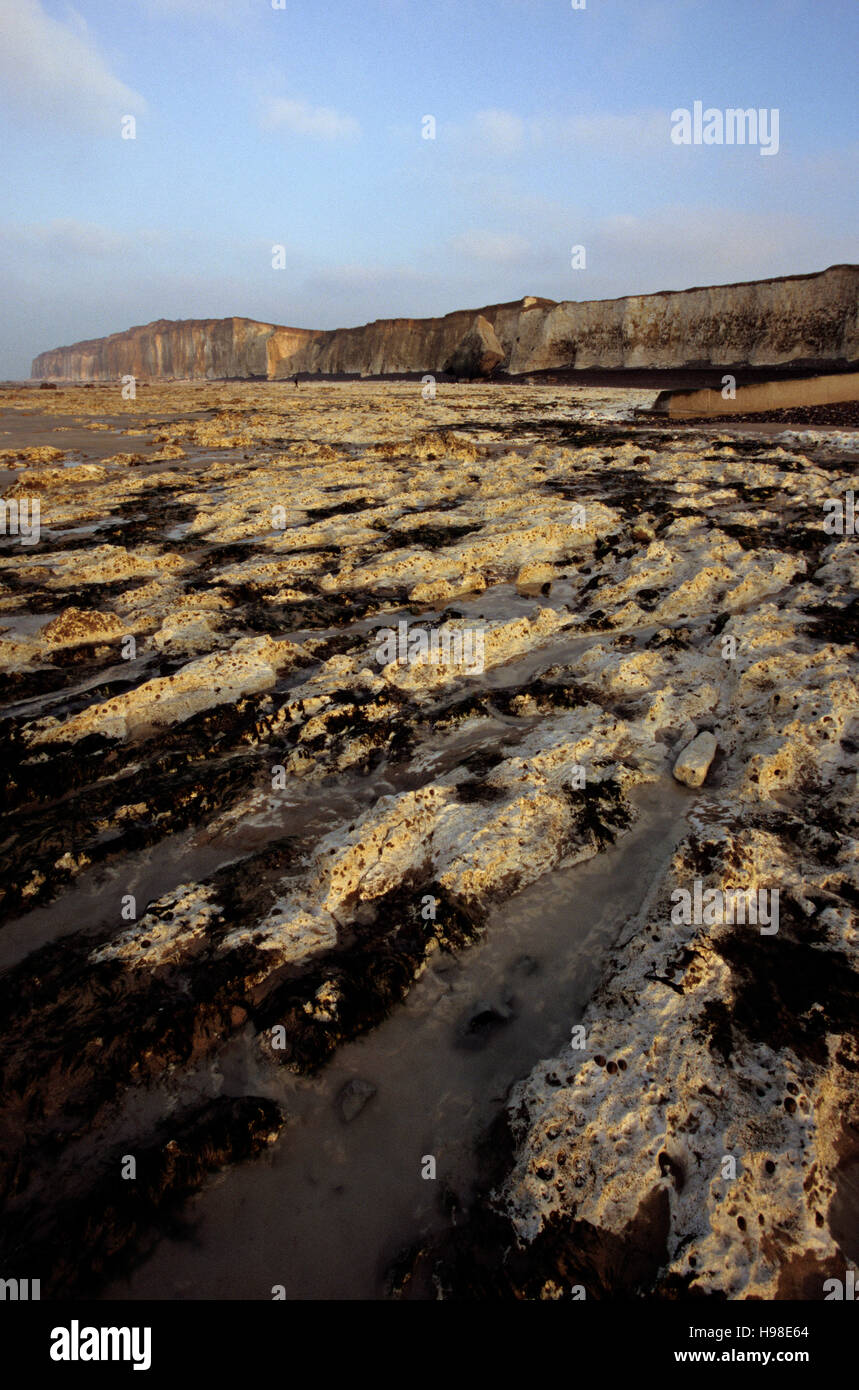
(478, 353)
(760, 321)
(75, 627)
(251, 665)
(534, 574)
(692, 766)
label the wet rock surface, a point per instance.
(237, 826)
(354, 1097)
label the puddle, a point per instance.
(192, 856)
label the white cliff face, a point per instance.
(764, 322)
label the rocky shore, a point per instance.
(233, 827)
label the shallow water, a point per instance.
(329, 1207)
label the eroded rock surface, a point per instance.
(478, 353)
(694, 762)
(236, 822)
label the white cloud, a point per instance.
(230, 12)
(497, 247)
(499, 132)
(50, 70)
(204, 8)
(336, 296)
(677, 247)
(79, 238)
(318, 122)
(67, 236)
(337, 280)
(612, 133)
(503, 132)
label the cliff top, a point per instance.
(525, 303)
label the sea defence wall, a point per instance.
(764, 396)
(799, 318)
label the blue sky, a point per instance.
(302, 126)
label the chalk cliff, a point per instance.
(758, 323)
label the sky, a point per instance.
(302, 124)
